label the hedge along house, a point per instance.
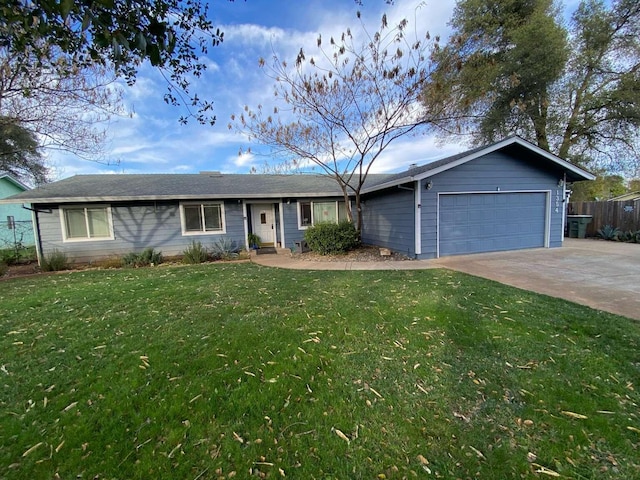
(508, 195)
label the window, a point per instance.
(202, 218)
(305, 214)
(310, 213)
(87, 223)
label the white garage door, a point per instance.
(489, 222)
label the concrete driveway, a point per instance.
(600, 274)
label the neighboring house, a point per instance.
(634, 196)
(509, 195)
(15, 222)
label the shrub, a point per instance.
(609, 232)
(143, 259)
(629, 236)
(55, 261)
(195, 253)
(328, 238)
(3, 268)
(224, 249)
(254, 240)
(18, 254)
(8, 256)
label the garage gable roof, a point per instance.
(573, 172)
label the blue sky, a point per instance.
(151, 140)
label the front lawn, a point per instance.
(217, 371)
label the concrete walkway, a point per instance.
(602, 275)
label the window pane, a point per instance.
(192, 219)
(305, 214)
(342, 212)
(212, 218)
(98, 223)
(324, 212)
(75, 222)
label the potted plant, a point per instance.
(254, 241)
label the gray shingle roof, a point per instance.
(98, 188)
(421, 169)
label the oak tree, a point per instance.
(511, 67)
(172, 35)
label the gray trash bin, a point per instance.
(577, 225)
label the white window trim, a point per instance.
(313, 222)
(183, 223)
(300, 226)
(63, 223)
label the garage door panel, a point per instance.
(487, 222)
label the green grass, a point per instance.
(217, 371)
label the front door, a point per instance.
(262, 222)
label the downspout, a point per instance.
(36, 234)
(283, 243)
(418, 219)
(565, 200)
(245, 222)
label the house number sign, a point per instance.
(558, 200)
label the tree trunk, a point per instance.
(359, 212)
(538, 115)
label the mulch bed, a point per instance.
(362, 254)
(21, 270)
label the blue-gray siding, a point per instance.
(491, 173)
(291, 232)
(388, 220)
(135, 228)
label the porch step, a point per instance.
(266, 251)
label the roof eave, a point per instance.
(152, 198)
(577, 171)
(393, 183)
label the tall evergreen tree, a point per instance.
(19, 152)
(512, 68)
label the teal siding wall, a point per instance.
(24, 229)
(136, 227)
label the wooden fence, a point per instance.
(623, 215)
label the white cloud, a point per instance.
(244, 159)
(419, 149)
